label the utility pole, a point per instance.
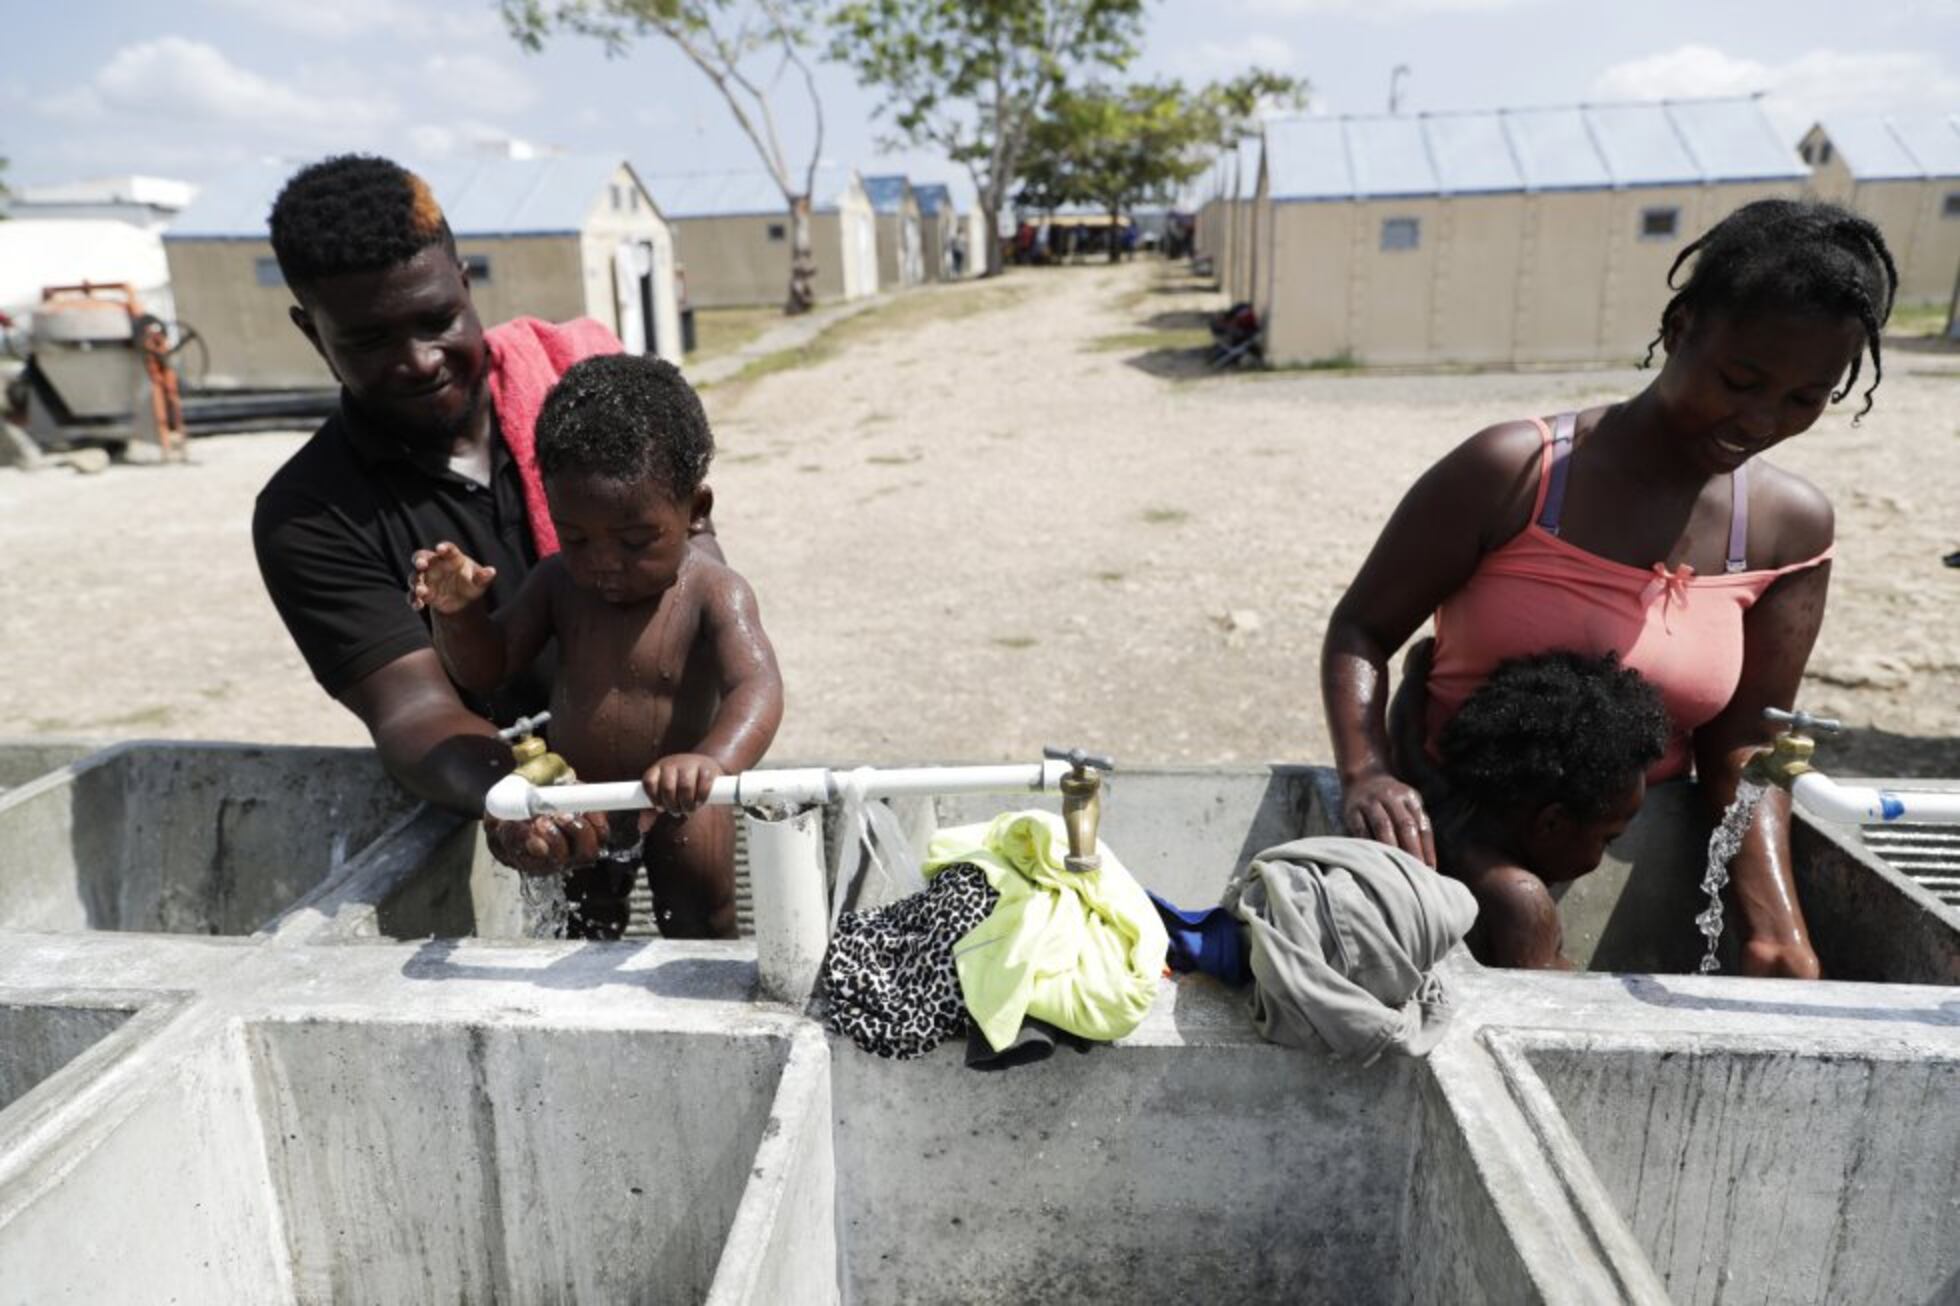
(1395, 88)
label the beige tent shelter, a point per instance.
(974, 220)
(732, 235)
(1903, 173)
(940, 234)
(556, 237)
(1507, 236)
(1225, 218)
(901, 241)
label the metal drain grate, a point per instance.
(640, 924)
(1930, 854)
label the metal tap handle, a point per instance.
(523, 726)
(1803, 722)
(1079, 759)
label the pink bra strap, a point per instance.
(1560, 453)
(1739, 519)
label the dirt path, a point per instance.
(976, 530)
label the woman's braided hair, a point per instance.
(1791, 254)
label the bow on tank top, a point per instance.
(1538, 593)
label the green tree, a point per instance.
(727, 40)
(1119, 147)
(972, 76)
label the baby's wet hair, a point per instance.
(626, 418)
(1791, 255)
(353, 213)
(1557, 727)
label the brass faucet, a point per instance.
(1789, 754)
(1081, 804)
(539, 765)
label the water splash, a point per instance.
(1723, 845)
(546, 908)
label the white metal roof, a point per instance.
(1580, 147)
(740, 194)
(159, 192)
(480, 196)
(1885, 148)
(887, 192)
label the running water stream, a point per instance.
(1722, 847)
(545, 905)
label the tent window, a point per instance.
(479, 266)
(777, 231)
(632, 200)
(1401, 233)
(1823, 151)
(618, 200)
(1809, 155)
(267, 271)
(1659, 224)
(1951, 208)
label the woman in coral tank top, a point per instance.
(1649, 528)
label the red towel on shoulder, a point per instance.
(527, 356)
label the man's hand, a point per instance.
(447, 579)
(1780, 959)
(679, 783)
(547, 845)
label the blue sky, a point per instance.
(192, 88)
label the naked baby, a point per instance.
(664, 672)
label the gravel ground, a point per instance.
(993, 516)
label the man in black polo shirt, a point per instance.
(414, 456)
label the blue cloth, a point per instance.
(1209, 940)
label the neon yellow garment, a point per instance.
(1083, 951)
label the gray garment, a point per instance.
(1344, 933)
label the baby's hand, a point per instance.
(680, 782)
(447, 579)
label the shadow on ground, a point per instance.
(1872, 752)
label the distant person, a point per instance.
(1540, 769)
(1650, 528)
(421, 448)
(666, 675)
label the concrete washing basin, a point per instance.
(322, 1103)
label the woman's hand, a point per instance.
(1378, 806)
(547, 845)
(1780, 959)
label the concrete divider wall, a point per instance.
(1771, 1173)
(1192, 1162)
(499, 1163)
(162, 1197)
(38, 1039)
(186, 838)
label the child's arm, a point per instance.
(479, 649)
(751, 700)
(1520, 919)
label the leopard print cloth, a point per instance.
(888, 981)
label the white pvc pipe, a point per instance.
(786, 873)
(514, 798)
(1824, 797)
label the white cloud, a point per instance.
(1692, 70)
(430, 140)
(191, 83)
(340, 20)
(1800, 91)
(1256, 50)
(1377, 9)
(476, 80)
